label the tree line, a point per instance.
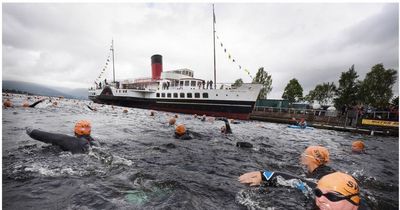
(375, 90)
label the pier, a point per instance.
(371, 123)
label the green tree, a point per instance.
(238, 83)
(376, 88)
(395, 102)
(293, 91)
(323, 93)
(262, 77)
(348, 89)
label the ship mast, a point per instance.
(112, 49)
(215, 62)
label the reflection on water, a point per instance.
(140, 165)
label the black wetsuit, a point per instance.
(36, 103)
(271, 179)
(65, 142)
(227, 125)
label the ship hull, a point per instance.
(216, 108)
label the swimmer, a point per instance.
(337, 191)
(225, 129)
(203, 118)
(302, 123)
(172, 121)
(314, 158)
(79, 143)
(92, 108)
(358, 147)
(182, 133)
(8, 103)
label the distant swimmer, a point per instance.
(302, 123)
(172, 121)
(91, 108)
(225, 128)
(338, 191)
(244, 144)
(203, 118)
(314, 158)
(8, 103)
(234, 121)
(358, 147)
(182, 133)
(79, 143)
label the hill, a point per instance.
(79, 93)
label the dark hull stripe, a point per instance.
(231, 109)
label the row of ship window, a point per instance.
(181, 95)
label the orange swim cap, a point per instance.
(320, 154)
(172, 121)
(25, 104)
(8, 103)
(180, 129)
(357, 146)
(83, 127)
(341, 183)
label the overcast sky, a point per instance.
(67, 44)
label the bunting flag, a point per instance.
(104, 68)
(230, 57)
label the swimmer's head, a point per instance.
(7, 103)
(172, 121)
(176, 116)
(151, 113)
(337, 191)
(223, 129)
(125, 111)
(357, 146)
(180, 130)
(83, 127)
(195, 116)
(315, 156)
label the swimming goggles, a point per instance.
(334, 197)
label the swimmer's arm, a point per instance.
(286, 176)
(36, 103)
(43, 136)
(228, 127)
(255, 178)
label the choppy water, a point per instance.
(140, 165)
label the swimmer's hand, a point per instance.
(251, 178)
